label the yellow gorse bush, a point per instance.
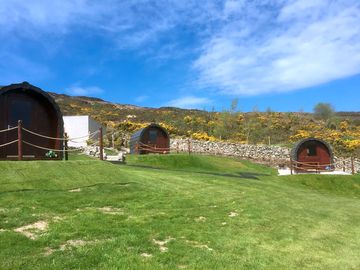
(202, 136)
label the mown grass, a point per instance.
(197, 163)
(216, 213)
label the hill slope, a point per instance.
(89, 214)
(253, 128)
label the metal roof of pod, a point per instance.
(138, 134)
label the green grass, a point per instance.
(197, 163)
(116, 212)
(79, 156)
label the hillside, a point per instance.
(342, 130)
(101, 110)
(162, 212)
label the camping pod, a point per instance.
(312, 155)
(151, 139)
(38, 113)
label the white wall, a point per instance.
(77, 126)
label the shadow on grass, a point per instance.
(243, 175)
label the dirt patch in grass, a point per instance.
(146, 255)
(68, 245)
(233, 214)
(162, 243)
(33, 231)
(110, 210)
(76, 243)
(197, 244)
(75, 190)
(57, 219)
(200, 219)
(106, 210)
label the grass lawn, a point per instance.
(175, 212)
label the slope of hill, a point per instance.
(342, 130)
(88, 214)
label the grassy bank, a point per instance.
(175, 212)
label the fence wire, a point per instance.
(8, 129)
(59, 139)
(6, 144)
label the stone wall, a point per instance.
(344, 164)
(262, 153)
(267, 154)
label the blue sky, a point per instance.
(283, 55)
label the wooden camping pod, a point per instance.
(312, 154)
(151, 139)
(38, 112)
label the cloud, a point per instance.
(235, 47)
(84, 91)
(306, 44)
(189, 102)
(129, 23)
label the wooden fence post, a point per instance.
(352, 166)
(344, 165)
(101, 143)
(66, 154)
(20, 150)
(189, 149)
(177, 147)
(291, 166)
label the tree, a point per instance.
(234, 105)
(323, 111)
(226, 122)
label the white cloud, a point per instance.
(232, 7)
(130, 23)
(84, 91)
(242, 47)
(189, 102)
(36, 16)
(309, 43)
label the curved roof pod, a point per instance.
(295, 149)
(312, 154)
(39, 113)
(142, 137)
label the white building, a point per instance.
(81, 126)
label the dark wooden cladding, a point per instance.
(152, 137)
(38, 112)
(312, 153)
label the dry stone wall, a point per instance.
(268, 154)
(247, 151)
